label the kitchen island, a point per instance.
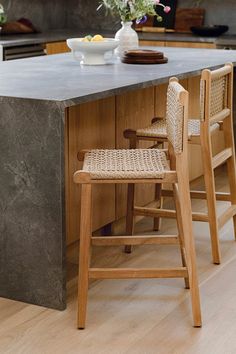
(51, 107)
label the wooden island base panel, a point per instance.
(43, 126)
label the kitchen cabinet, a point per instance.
(190, 44)
(152, 43)
(57, 48)
(177, 44)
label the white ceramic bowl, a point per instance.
(92, 52)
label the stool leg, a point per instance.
(210, 191)
(84, 259)
(157, 221)
(180, 231)
(228, 129)
(212, 210)
(133, 144)
(232, 184)
(130, 214)
(158, 188)
(183, 198)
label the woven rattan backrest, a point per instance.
(175, 114)
(214, 92)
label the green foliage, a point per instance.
(129, 10)
(3, 16)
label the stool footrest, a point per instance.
(127, 273)
(153, 212)
(134, 240)
(202, 217)
(221, 157)
(226, 216)
(220, 196)
(166, 213)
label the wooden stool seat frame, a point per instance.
(224, 118)
(178, 177)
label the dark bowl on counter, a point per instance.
(209, 31)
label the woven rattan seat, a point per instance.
(120, 164)
(159, 128)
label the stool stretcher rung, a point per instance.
(152, 212)
(128, 273)
(226, 216)
(220, 116)
(166, 213)
(200, 217)
(221, 157)
(134, 240)
(220, 196)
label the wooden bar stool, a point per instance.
(216, 113)
(142, 166)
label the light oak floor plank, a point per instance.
(137, 316)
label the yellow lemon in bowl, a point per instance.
(87, 38)
(97, 38)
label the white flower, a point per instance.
(1, 9)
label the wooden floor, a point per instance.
(137, 316)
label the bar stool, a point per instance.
(142, 166)
(216, 100)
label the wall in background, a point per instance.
(82, 14)
(46, 14)
(218, 12)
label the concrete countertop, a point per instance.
(63, 34)
(229, 40)
(60, 78)
(35, 38)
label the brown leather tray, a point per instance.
(144, 54)
(144, 60)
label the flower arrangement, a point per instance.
(129, 10)
(3, 16)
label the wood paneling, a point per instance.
(177, 44)
(190, 45)
(133, 110)
(89, 126)
(57, 48)
(160, 100)
(152, 43)
(194, 93)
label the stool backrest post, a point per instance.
(177, 123)
(229, 125)
(216, 94)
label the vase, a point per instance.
(128, 38)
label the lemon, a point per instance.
(86, 38)
(97, 38)
(89, 37)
